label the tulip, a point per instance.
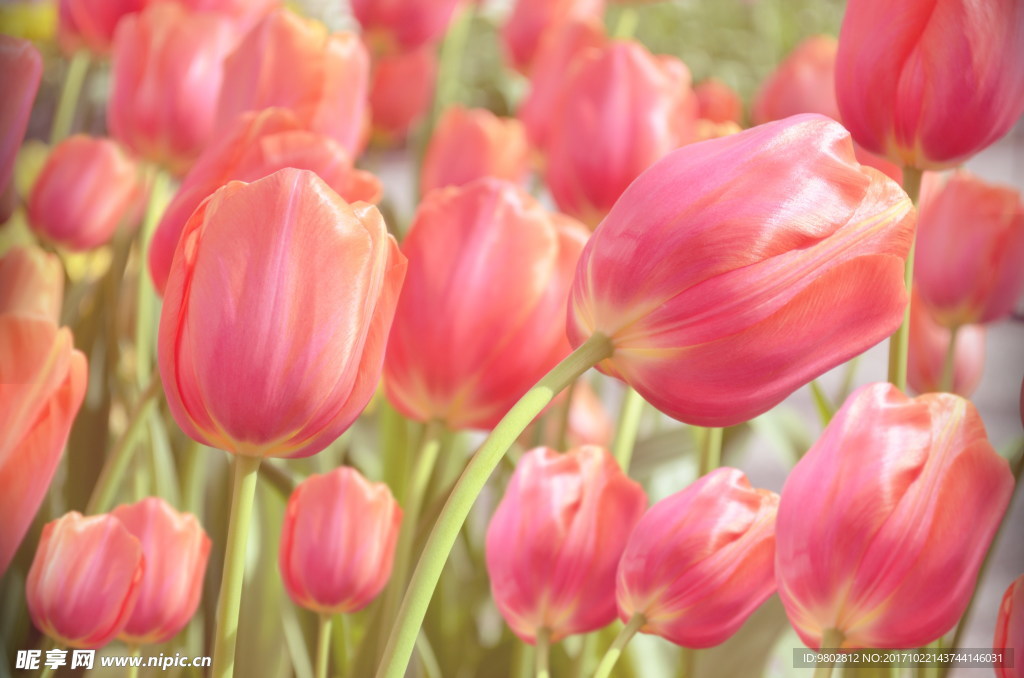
(970, 250)
(42, 384)
(401, 91)
(292, 62)
(555, 540)
(479, 320)
(933, 84)
(338, 541)
(885, 562)
(22, 65)
(404, 25)
(1010, 629)
(929, 351)
(736, 270)
(84, 580)
(621, 110)
(718, 102)
(275, 316)
(701, 561)
(90, 24)
(259, 144)
(31, 283)
(175, 549)
(245, 13)
(531, 20)
(168, 69)
(86, 189)
(472, 143)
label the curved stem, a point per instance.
(626, 428)
(117, 461)
(830, 640)
(467, 489)
(899, 343)
(635, 623)
(243, 493)
(711, 452)
(145, 312)
(70, 93)
(946, 382)
(541, 654)
(323, 645)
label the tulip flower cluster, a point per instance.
(408, 338)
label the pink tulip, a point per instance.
(276, 315)
(84, 580)
(42, 384)
(804, 83)
(472, 143)
(404, 25)
(292, 62)
(87, 188)
(934, 83)
(401, 91)
(176, 549)
(555, 540)
(259, 144)
(929, 344)
(718, 102)
(168, 68)
(90, 24)
(736, 270)
(621, 110)
(479, 319)
(701, 561)
(1010, 629)
(338, 541)
(245, 13)
(532, 20)
(22, 66)
(885, 521)
(31, 283)
(970, 250)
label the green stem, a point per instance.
(47, 671)
(635, 623)
(711, 453)
(627, 24)
(117, 461)
(832, 639)
(145, 313)
(946, 382)
(899, 343)
(822, 403)
(561, 441)
(70, 92)
(541, 654)
(133, 670)
(626, 429)
(467, 489)
(687, 657)
(323, 645)
(243, 494)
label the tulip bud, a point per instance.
(555, 540)
(970, 250)
(403, 25)
(42, 384)
(885, 521)
(933, 84)
(22, 65)
(338, 541)
(84, 580)
(90, 24)
(472, 143)
(736, 270)
(276, 314)
(532, 20)
(259, 144)
(621, 110)
(701, 561)
(717, 102)
(478, 321)
(292, 62)
(401, 91)
(87, 188)
(929, 345)
(804, 83)
(31, 283)
(176, 549)
(168, 69)
(1010, 629)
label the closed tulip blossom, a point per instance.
(280, 379)
(970, 250)
(700, 562)
(259, 144)
(555, 540)
(906, 496)
(401, 91)
(469, 144)
(718, 102)
(403, 25)
(338, 541)
(22, 65)
(532, 20)
(167, 71)
(175, 548)
(622, 109)
(479, 319)
(31, 283)
(1010, 629)
(929, 353)
(84, 580)
(90, 24)
(934, 84)
(736, 270)
(292, 62)
(87, 188)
